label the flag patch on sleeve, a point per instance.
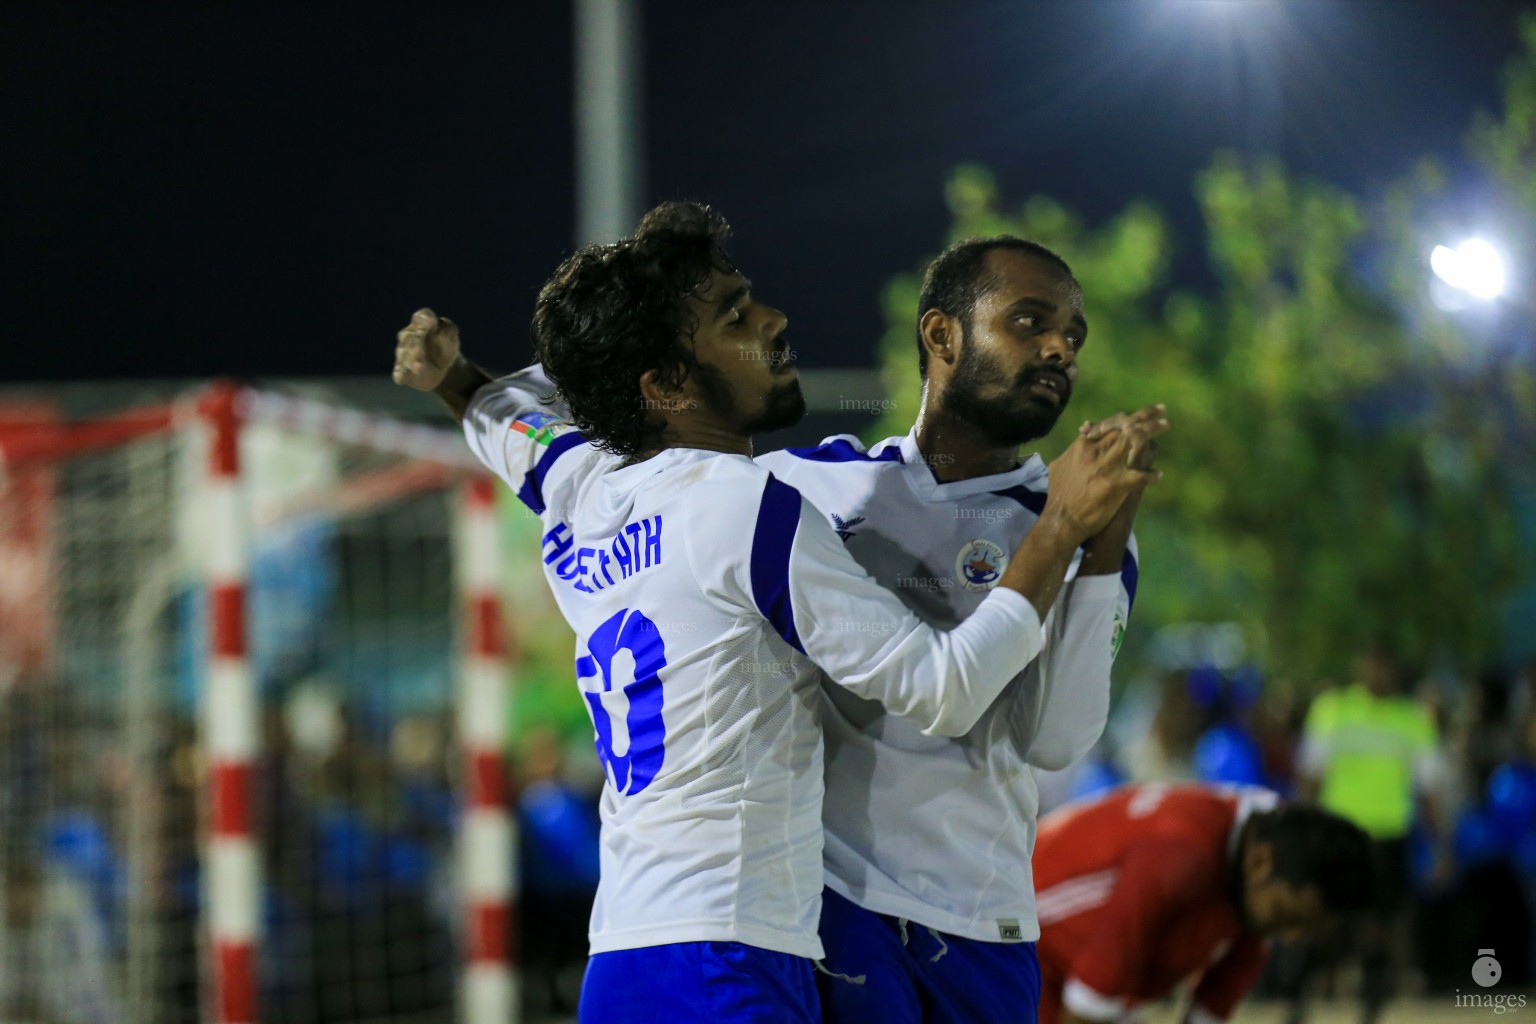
(540, 427)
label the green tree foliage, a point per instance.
(1333, 475)
(1506, 146)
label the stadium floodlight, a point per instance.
(1474, 267)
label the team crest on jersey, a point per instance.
(980, 565)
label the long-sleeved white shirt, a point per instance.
(704, 594)
(939, 830)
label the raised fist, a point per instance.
(425, 350)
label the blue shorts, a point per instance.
(703, 982)
(880, 968)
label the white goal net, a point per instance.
(231, 758)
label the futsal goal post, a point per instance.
(253, 694)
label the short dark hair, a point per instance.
(612, 312)
(958, 278)
(1316, 847)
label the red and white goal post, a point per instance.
(254, 683)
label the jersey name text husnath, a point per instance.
(635, 546)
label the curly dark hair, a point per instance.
(612, 312)
(1317, 847)
(958, 278)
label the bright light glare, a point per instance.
(1228, 6)
(1474, 267)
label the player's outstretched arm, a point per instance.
(427, 358)
(516, 426)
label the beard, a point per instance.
(1011, 418)
(783, 404)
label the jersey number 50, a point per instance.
(644, 734)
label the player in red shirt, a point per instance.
(1154, 884)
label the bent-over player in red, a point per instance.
(1154, 884)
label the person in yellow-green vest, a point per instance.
(1371, 753)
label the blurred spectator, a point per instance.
(1494, 840)
(61, 873)
(1227, 750)
(1166, 751)
(55, 964)
(559, 831)
(1369, 753)
(353, 929)
(1278, 722)
(1228, 753)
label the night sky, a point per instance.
(264, 189)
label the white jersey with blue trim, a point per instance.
(704, 593)
(932, 829)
